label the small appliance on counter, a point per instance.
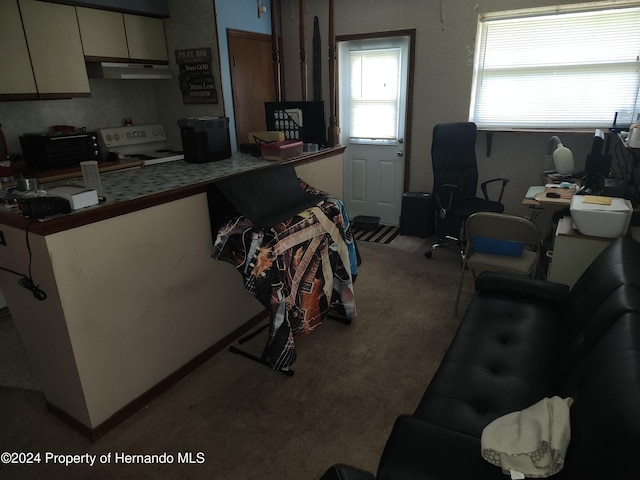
(41, 207)
(54, 149)
(147, 143)
(205, 139)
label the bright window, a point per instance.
(560, 69)
(374, 94)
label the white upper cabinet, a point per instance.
(53, 38)
(17, 74)
(146, 39)
(102, 33)
(110, 35)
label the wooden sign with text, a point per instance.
(196, 76)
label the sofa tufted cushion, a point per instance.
(605, 415)
(522, 340)
(502, 359)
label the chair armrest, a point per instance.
(483, 186)
(417, 449)
(514, 285)
(439, 192)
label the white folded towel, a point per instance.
(532, 441)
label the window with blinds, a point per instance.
(561, 69)
(374, 94)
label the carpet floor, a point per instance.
(240, 420)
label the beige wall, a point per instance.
(445, 39)
(130, 300)
(325, 175)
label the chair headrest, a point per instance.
(454, 135)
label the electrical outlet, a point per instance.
(2, 239)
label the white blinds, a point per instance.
(374, 92)
(569, 69)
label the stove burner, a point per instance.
(139, 142)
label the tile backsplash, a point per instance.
(109, 103)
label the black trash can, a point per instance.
(416, 217)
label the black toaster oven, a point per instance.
(48, 150)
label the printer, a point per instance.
(597, 216)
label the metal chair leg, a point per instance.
(455, 312)
(445, 241)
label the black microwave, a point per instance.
(47, 150)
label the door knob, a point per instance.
(400, 154)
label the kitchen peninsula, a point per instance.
(134, 300)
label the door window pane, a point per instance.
(374, 94)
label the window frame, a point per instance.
(367, 45)
(482, 75)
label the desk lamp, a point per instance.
(561, 155)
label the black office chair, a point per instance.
(455, 182)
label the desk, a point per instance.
(573, 252)
(549, 203)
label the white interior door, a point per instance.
(373, 96)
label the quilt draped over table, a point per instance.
(299, 270)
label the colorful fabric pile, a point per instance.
(299, 270)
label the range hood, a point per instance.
(128, 71)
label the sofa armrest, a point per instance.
(417, 449)
(494, 282)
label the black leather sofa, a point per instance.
(522, 340)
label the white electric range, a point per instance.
(147, 143)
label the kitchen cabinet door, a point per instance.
(145, 36)
(103, 35)
(16, 80)
(53, 38)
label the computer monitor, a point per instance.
(597, 166)
(598, 161)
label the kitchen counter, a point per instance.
(129, 187)
(134, 300)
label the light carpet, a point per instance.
(248, 422)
